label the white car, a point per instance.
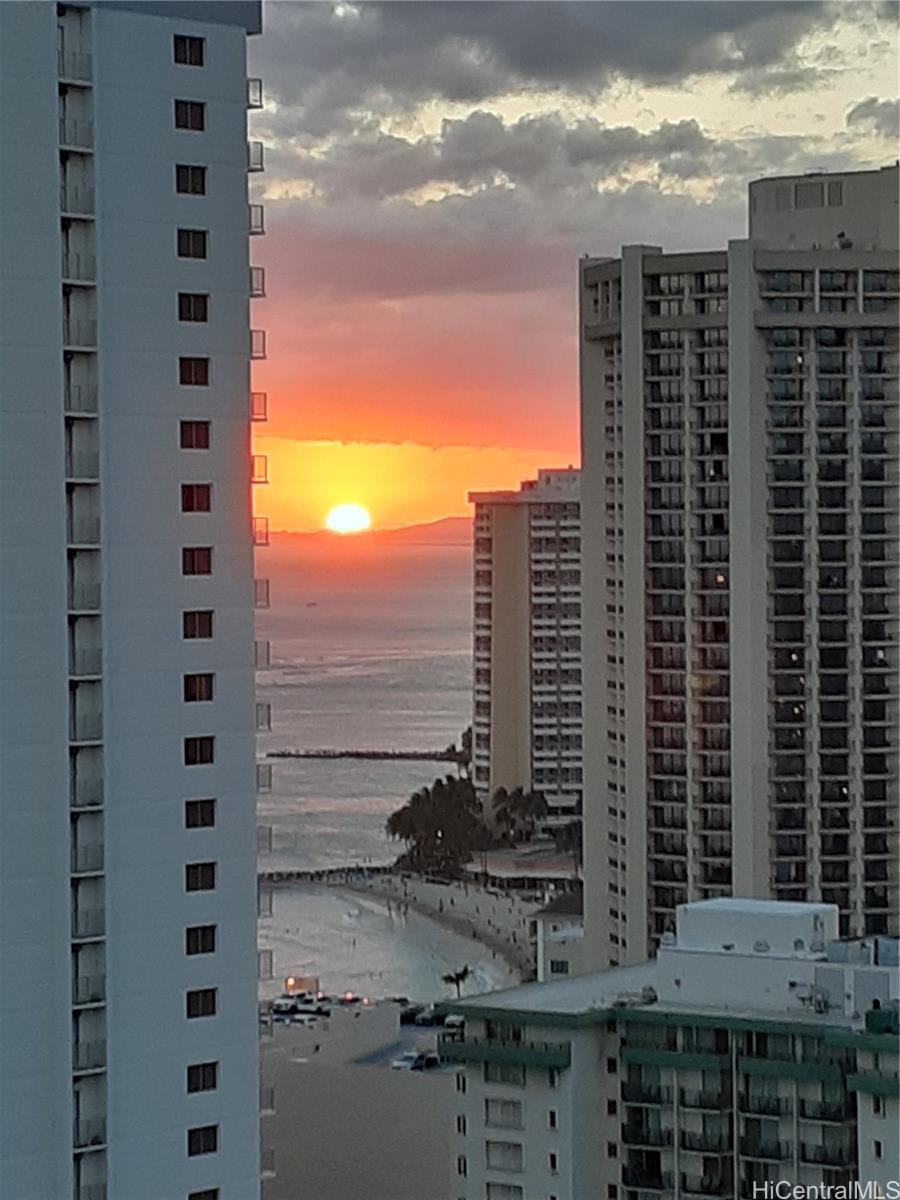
(406, 1061)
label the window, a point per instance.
(461, 1164)
(192, 243)
(611, 1108)
(554, 1163)
(193, 372)
(202, 1139)
(199, 814)
(198, 688)
(201, 1003)
(504, 1156)
(504, 1073)
(197, 623)
(553, 1077)
(200, 877)
(504, 1191)
(199, 751)
(461, 1082)
(203, 1077)
(189, 53)
(461, 1125)
(196, 497)
(611, 1066)
(504, 1114)
(611, 1191)
(877, 1149)
(835, 193)
(200, 939)
(559, 966)
(204, 1194)
(196, 560)
(612, 1150)
(190, 114)
(193, 306)
(552, 1119)
(190, 180)
(878, 1106)
(194, 435)
(809, 195)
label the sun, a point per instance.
(348, 518)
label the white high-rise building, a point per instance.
(526, 720)
(128, 1018)
(740, 566)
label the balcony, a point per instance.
(264, 722)
(259, 468)
(75, 135)
(255, 157)
(266, 1100)
(78, 268)
(257, 282)
(263, 778)
(706, 1185)
(254, 92)
(85, 663)
(643, 1135)
(555, 1055)
(88, 923)
(766, 1151)
(83, 531)
(768, 1106)
(88, 989)
(89, 1134)
(76, 200)
(88, 1056)
(84, 597)
(86, 727)
(264, 839)
(85, 793)
(257, 344)
(262, 652)
(827, 1156)
(267, 1164)
(261, 535)
(87, 860)
(74, 67)
(647, 1179)
(259, 406)
(706, 1143)
(264, 903)
(261, 593)
(714, 1101)
(821, 1110)
(79, 334)
(256, 220)
(80, 401)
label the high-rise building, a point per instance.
(128, 1018)
(740, 546)
(526, 719)
(756, 1048)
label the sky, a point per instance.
(433, 173)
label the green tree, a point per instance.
(569, 840)
(516, 814)
(442, 827)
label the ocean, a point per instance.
(371, 649)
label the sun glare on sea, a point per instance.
(348, 518)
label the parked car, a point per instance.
(405, 1061)
(409, 1013)
(426, 1062)
(428, 1016)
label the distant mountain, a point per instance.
(448, 531)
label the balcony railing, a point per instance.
(85, 662)
(257, 343)
(264, 839)
(88, 989)
(647, 1179)
(74, 66)
(83, 531)
(86, 793)
(267, 1164)
(80, 399)
(86, 727)
(770, 1106)
(264, 905)
(264, 965)
(263, 778)
(259, 468)
(646, 1093)
(254, 93)
(263, 720)
(535, 1054)
(255, 157)
(827, 1156)
(705, 1185)
(84, 597)
(642, 1135)
(79, 334)
(87, 859)
(262, 651)
(706, 1143)
(88, 1056)
(89, 1133)
(260, 531)
(75, 135)
(821, 1110)
(771, 1151)
(78, 267)
(266, 1099)
(261, 593)
(256, 220)
(82, 464)
(257, 282)
(702, 1099)
(259, 406)
(76, 200)
(88, 923)
(90, 1191)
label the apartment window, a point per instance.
(194, 435)
(192, 243)
(190, 180)
(200, 939)
(513, 1073)
(193, 306)
(612, 1150)
(809, 195)
(203, 1077)
(197, 623)
(193, 372)
(204, 1194)
(552, 1119)
(559, 966)
(196, 560)
(461, 1165)
(199, 751)
(503, 1156)
(461, 1082)
(199, 814)
(611, 1108)
(554, 1163)
(201, 1003)
(878, 1106)
(877, 1149)
(189, 52)
(190, 114)
(612, 1191)
(461, 1125)
(196, 497)
(612, 1066)
(202, 1139)
(200, 877)
(198, 688)
(553, 1078)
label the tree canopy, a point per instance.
(442, 827)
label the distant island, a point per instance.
(448, 531)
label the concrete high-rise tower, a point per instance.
(128, 1019)
(740, 566)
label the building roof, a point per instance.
(565, 904)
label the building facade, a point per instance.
(526, 719)
(128, 1021)
(756, 1048)
(740, 545)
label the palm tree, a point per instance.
(441, 825)
(456, 978)
(568, 840)
(517, 813)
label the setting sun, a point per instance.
(348, 518)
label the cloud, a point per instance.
(881, 116)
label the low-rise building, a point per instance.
(755, 1048)
(559, 936)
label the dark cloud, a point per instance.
(332, 63)
(881, 116)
